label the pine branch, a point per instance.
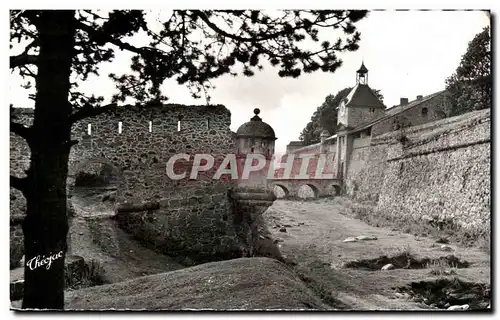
(100, 37)
(22, 60)
(214, 27)
(88, 111)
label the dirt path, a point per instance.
(314, 236)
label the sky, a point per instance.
(407, 53)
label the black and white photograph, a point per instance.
(303, 160)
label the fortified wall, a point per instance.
(194, 217)
(440, 170)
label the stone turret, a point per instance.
(250, 195)
(256, 136)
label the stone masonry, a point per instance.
(412, 160)
(189, 217)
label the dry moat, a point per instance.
(311, 235)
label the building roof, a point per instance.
(389, 113)
(363, 96)
(362, 69)
(398, 109)
(256, 128)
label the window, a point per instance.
(119, 127)
(424, 112)
(179, 125)
(89, 129)
(208, 123)
(150, 126)
(251, 150)
(372, 109)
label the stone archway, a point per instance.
(308, 190)
(336, 190)
(94, 185)
(280, 191)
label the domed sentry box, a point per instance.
(255, 149)
(256, 136)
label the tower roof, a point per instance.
(256, 128)
(362, 69)
(363, 96)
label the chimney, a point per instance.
(419, 97)
(403, 101)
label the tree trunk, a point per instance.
(46, 225)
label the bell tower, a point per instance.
(362, 75)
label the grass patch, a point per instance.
(406, 260)
(313, 277)
(80, 274)
(443, 231)
(442, 267)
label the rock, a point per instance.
(287, 225)
(278, 240)
(301, 223)
(289, 261)
(112, 197)
(282, 229)
(350, 239)
(364, 238)
(446, 247)
(16, 290)
(402, 295)
(427, 218)
(443, 240)
(21, 262)
(447, 304)
(459, 308)
(388, 266)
